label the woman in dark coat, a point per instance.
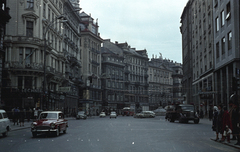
(219, 121)
(226, 123)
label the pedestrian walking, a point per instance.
(201, 113)
(234, 116)
(22, 117)
(226, 125)
(16, 116)
(215, 121)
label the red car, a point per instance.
(49, 122)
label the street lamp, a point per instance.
(45, 47)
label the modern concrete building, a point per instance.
(24, 74)
(226, 47)
(198, 53)
(186, 31)
(91, 95)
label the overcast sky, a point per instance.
(144, 24)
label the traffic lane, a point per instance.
(121, 134)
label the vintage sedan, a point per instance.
(81, 115)
(102, 114)
(113, 114)
(49, 122)
(5, 126)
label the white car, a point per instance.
(113, 115)
(4, 123)
(102, 114)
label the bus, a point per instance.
(127, 111)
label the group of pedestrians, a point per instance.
(225, 123)
(19, 114)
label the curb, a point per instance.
(231, 145)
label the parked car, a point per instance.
(49, 122)
(102, 114)
(182, 113)
(113, 114)
(81, 115)
(145, 114)
(160, 112)
(4, 123)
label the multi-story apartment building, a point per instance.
(226, 47)
(160, 83)
(91, 95)
(71, 44)
(113, 76)
(135, 76)
(186, 31)
(197, 35)
(5, 17)
(35, 32)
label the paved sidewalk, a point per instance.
(232, 142)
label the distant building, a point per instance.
(113, 78)
(136, 76)
(160, 83)
(91, 95)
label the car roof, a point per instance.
(1, 110)
(52, 112)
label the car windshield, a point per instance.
(113, 112)
(81, 112)
(191, 108)
(48, 116)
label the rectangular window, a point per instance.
(222, 18)
(20, 78)
(30, 4)
(223, 45)
(29, 29)
(20, 55)
(217, 50)
(229, 40)
(44, 10)
(228, 14)
(28, 56)
(49, 14)
(217, 24)
(28, 82)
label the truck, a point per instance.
(182, 113)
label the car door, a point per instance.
(62, 121)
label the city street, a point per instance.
(124, 134)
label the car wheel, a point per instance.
(34, 134)
(64, 131)
(5, 134)
(196, 121)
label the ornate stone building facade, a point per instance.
(160, 83)
(5, 17)
(91, 95)
(113, 76)
(24, 75)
